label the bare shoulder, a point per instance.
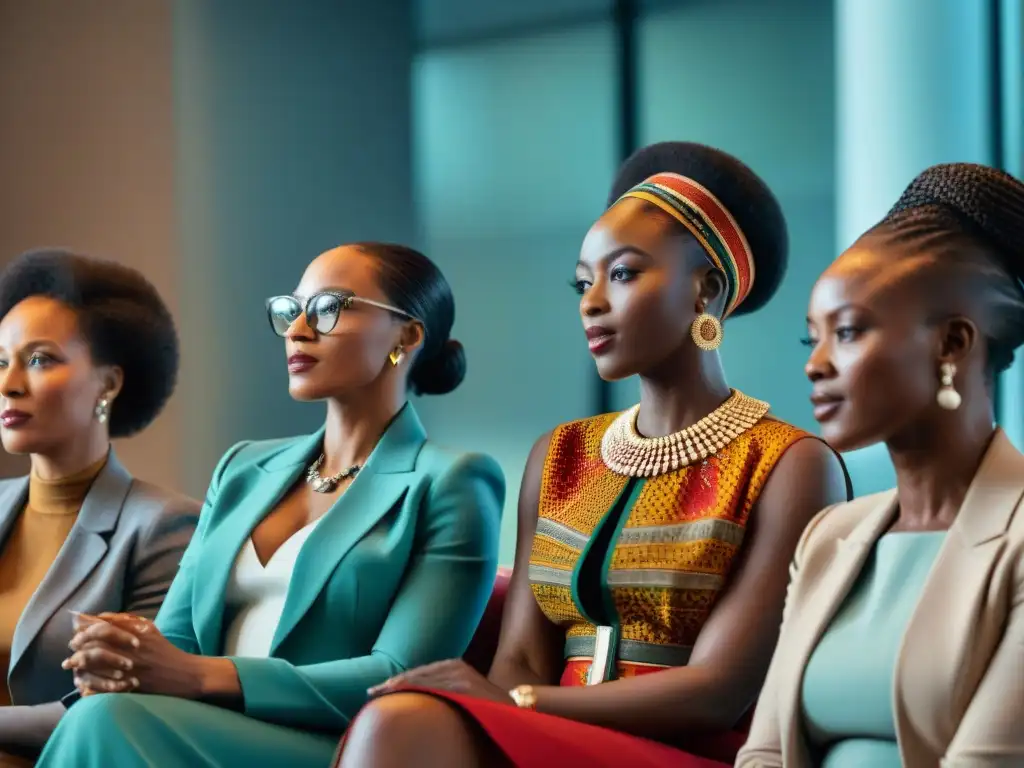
(810, 455)
(533, 478)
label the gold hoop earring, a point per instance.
(706, 332)
(949, 399)
(396, 356)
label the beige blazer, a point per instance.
(958, 691)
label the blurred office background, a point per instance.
(220, 144)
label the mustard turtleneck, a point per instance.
(35, 539)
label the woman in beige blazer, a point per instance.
(903, 636)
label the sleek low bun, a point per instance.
(415, 285)
(440, 373)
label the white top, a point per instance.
(256, 595)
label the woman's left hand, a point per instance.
(148, 661)
(455, 676)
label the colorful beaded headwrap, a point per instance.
(693, 206)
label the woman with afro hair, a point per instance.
(654, 545)
(88, 352)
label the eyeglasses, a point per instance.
(322, 310)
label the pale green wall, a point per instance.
(514, 148)
(293, 124)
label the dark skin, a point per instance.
(47, 372)
(881, 323)
(363, 392)
(644, 282)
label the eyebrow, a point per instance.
(329, 289)
(839, 310)
(36, 343)
(618, 252)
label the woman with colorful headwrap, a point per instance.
(654, 545)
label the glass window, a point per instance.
(700, 82)
(514, 147)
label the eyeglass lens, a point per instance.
(322, 312)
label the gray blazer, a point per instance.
(121, 555)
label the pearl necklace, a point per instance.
(626, 452)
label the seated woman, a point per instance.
(653, 541)
(88, 351)
(323, 564)
(903, 640)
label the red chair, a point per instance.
(481, 650)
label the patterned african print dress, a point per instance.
(630, 568)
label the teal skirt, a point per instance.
(128, 730)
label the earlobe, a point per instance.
(959, 338)
(113, 381)
(711, 292)
(413, 336)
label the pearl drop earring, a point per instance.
(948, 398)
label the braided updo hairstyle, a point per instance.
(969, 219)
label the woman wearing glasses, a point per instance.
(323, 564)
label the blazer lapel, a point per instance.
(12, 502)
(826, 596)
(274, 478)
(81, 553)
(955, 594)
(376, 489)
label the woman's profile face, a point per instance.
(638, 289)
(354, 354)
(48, 382)
(874, 357)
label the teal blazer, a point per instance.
(397, 574)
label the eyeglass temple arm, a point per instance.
(381, 305)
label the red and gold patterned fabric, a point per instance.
(672, 552)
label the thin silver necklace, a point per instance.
(328, 484)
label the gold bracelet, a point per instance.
(524, 697)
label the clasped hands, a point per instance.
(119, 653)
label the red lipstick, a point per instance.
(299, 363)
(599, 339)
(13, 418)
